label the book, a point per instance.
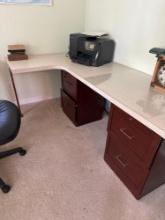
(16, 47)
(16, 57)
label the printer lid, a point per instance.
(96, 34)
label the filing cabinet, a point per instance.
(80, 103)
(135, 153)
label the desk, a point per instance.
(135, 147)
(127, 88)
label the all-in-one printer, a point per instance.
(91, 50)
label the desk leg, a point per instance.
(15, 91)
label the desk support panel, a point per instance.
(15, 91)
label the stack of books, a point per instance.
(17, 52)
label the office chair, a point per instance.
(10, 120)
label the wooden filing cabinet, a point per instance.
(135, 153)
(80, 103)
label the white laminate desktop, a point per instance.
(127, 88)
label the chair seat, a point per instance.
(10, 120)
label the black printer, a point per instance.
(91, 50)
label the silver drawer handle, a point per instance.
(120, 161)
(122, 130)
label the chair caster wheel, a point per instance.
(22, 152)
(5, 188)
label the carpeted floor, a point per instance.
(64, 176)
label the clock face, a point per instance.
(161, 76)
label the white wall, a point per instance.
(42, 29)
(136, 26)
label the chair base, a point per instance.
(3, 186)
(7, 153)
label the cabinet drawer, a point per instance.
(125, 164)
(139, 139)
(69, 106)
(69, 84)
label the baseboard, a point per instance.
(35, 99)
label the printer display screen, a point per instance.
(89, 45)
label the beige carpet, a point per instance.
(64, 176)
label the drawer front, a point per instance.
(125, 164)
(69, 84)
(69, 106)
(139, 139)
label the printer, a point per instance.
(91, 50)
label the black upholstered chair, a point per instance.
(10, 120)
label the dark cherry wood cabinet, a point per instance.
(135, 153)
(80, 103)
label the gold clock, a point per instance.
(158, 79)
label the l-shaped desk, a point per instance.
(126, 88)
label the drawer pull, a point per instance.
(122, 130)
(118, 158)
